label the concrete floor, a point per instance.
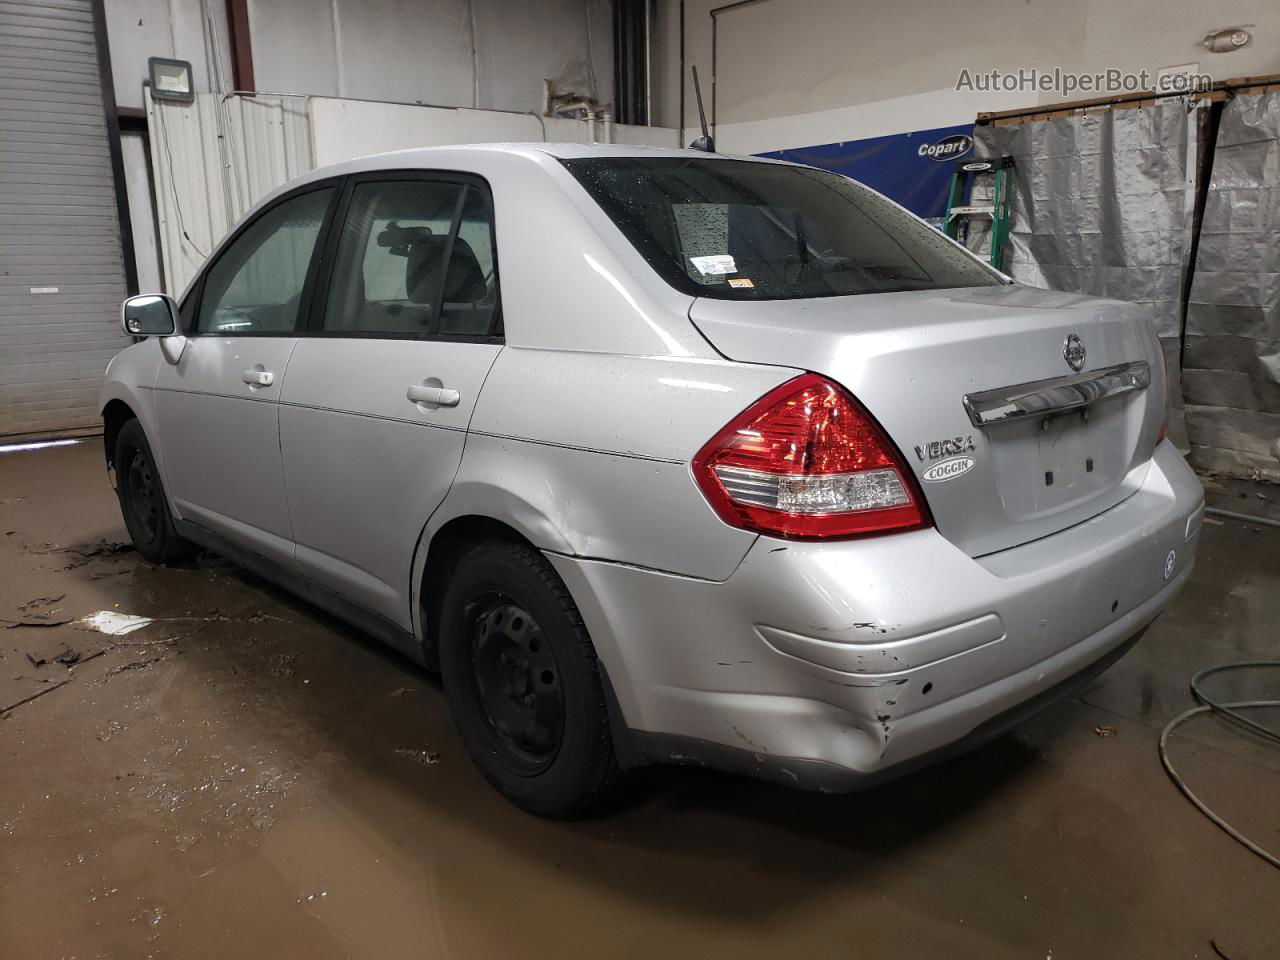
(249, 778)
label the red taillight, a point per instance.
(807, 462)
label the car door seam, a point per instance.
(284, 482)
(213, 393)
(415, 597)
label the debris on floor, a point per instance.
(114, 624)
(67, 658)
(133, 665)
(1106, 730)
(260, 617)
(94, 551)
(282, 665)
(36, 620)
(428, 758)
(49, 687)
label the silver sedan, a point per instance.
(661, 456)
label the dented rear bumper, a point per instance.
(832, 665)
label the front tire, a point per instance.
(142, 499)
(523, 682)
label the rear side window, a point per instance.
(735, 229)
(255, 285)
(415, 258)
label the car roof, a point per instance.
(424, 156)
(573, 151)
(429, 157)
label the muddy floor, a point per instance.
(246, 777)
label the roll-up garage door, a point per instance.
(61, 268)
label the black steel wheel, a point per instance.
(141, 494)
(142, 499)
(517, 682)
(523, 683)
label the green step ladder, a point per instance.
(959, 213)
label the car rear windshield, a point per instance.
(735, 229)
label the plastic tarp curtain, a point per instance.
(1231, 384)
(1102, 204)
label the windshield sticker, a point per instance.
(715, 266)
(740, 282)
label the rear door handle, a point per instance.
(441, 396)
(258, 377)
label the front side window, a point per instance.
(735, 229)
(415, 258)
(255, 286)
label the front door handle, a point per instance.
(257, 377)
(441, 396)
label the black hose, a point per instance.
(1224, 708)
(1231, 711)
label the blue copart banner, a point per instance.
(913, 169)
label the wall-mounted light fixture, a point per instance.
(170, 79)
(1224, 41)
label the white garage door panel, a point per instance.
(58, 221)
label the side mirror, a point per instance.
(150, 315)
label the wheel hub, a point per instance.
(518, 682)
(141, 489)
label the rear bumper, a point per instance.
(833, 665)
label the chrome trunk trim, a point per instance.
(1056, 395)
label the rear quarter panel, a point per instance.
(588, 455)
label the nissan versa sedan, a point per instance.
(661, 456)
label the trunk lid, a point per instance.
(912, 358)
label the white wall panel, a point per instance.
(492, 54)
(646, 136)
(138, 29)
(521, 44)
(493, 126)
(295, 47)
(405, 50)
(342, 129)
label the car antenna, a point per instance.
(704, 142)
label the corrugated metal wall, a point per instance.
(61, 270)
(213, 160)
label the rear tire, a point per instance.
(142, 499)
(523, 682)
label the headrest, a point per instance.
(464, 282)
